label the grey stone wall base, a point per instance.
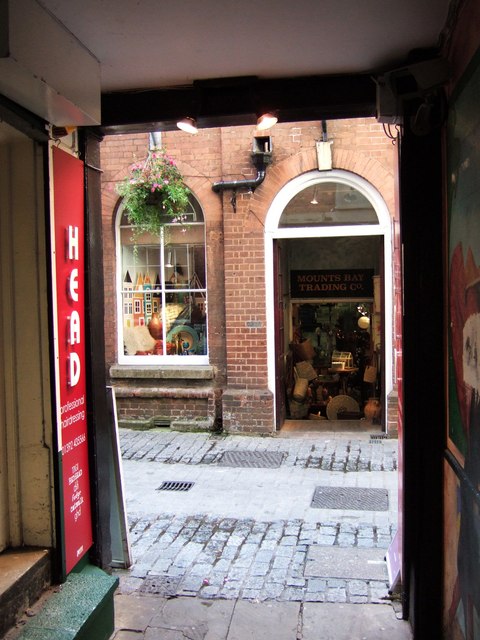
(192, 424)
(140, 425)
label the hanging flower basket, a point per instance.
(154, 194)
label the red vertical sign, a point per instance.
(69, 260)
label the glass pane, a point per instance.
(328, 204)
(187, 329)
(164, 310)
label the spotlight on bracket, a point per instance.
(188, 124)
(266, 121)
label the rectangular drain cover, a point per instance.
(378, 437)
(165, 586)
(355, 498)
(175, 485)
(260, 459)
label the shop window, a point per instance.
(162, 292)
(327, 204)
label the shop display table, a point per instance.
(344, 373)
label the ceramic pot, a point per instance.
(372, 409)
(155, 326)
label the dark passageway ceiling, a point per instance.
(149, 45)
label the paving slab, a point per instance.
(127, 635)
(192, 618)
(263, 494)
(133, 612)
(343, 562)
(264, 621)
(328, 621)
(196, 619)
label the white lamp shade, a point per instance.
(189, 125)
(363, 322)
(266, 121)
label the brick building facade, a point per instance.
(238, 387)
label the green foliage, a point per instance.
(154, 194)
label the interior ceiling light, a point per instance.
(314, 199)
(363, 322)
(188, 124)
(266, 121)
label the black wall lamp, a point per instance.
(238, 96)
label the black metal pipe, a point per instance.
(240, 184)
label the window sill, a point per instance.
(162, 372)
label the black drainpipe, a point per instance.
(261, 157)
(237, 184)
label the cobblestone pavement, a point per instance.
(210, 556)
(327, 451)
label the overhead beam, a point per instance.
(237, 101)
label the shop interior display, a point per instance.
(332, 365)
(168, 300)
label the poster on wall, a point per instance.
(463, 436)
(69, 322)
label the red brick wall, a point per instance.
(235, 239)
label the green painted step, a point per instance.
(82, 609)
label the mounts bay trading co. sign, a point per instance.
(335, 283)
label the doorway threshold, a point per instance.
(336, 426)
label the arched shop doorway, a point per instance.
(329, 307)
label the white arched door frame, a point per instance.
(273, 232)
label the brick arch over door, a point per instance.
(368, 168)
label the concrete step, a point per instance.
(24, 574)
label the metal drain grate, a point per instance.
(175, 485)
(354, 498)
(378, 437)
(165, 586)
(160, 423)
(260, 459)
